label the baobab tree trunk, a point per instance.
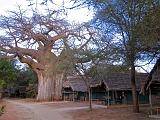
(49, 87)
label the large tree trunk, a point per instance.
(49, 87)
(134, 91)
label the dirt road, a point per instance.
(29, 110)
(36, 111)
(45, 111)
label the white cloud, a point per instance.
(74, 15)
(80, 15)
(6, 5)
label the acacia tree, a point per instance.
(149, 30)
(45, 43)
(120, 18)
(81, 70)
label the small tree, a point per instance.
(81, 70)
(7, 73)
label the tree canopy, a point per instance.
(50, 45)
(119, 20)
(7, 73)
(46, 42)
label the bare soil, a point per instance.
(112, 113)
(10, 112)
(28, 109)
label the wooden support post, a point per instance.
(150, 100)
(73, 96)
(108, 98)
(113, 96)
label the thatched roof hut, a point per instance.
(114, 81)
(114, 84)
(76, 83)
(153, 79)
(120, 81)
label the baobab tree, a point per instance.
(45, 43)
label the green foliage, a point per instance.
(131, 25)
(25, 77)
(3, 83)
(2, 110)
(149, 29)
(12, 74)
(101, 71)
(7, 73)
(31, 90)
(66, 60)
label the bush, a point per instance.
(2, 110)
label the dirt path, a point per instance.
(46, 111)
(28, 110)
(33, 111)
(10, 112)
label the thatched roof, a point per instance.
(153, 77)
(114, 81)
(76, 83)
(121, 81)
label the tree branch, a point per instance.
(30, 62)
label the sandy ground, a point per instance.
(112, 113)
(29, 110)
(22, 110)
(32, 111)
(10, 112)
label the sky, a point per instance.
(75, 15)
